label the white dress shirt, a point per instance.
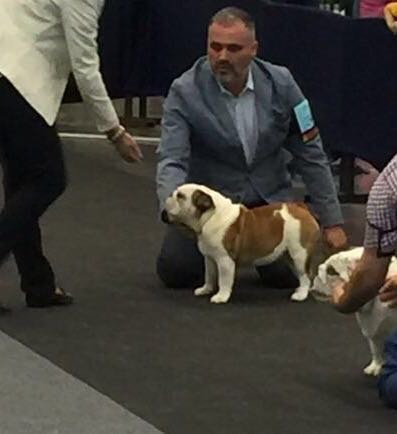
(243, 112)
(41, 42)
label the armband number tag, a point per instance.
(305, 121)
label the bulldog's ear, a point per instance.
(202, 201)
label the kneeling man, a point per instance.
(227, 124)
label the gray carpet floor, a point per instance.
(260, 364)
(39, 398)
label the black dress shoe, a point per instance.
(58, 298)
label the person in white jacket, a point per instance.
(41, 43)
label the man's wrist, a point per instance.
(338, 225)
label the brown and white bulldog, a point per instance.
(229, 234)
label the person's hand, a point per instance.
(337, 292)
(128, 148)
(388, 292)
(125, 144)
(335, 238)
(390, 13)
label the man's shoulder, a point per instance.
(385, 186)
(278, 73)
(191, 78)
(390, 173)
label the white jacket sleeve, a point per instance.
(80, 23)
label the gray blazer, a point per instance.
(199, 142)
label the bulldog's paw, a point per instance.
(220, 297)
(203, 290)
(300, 294)
(373, 369)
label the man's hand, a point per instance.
(335, 238)
(388, 292)
(364, 282)
(128, 148)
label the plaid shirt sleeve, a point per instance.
(381, 228)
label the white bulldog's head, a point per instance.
(323, 283)
(335, 270)
(190, 205)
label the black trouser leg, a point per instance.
(34, 177)
(37, 277)
(180, 264)
(279, 274)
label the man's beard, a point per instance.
(225, 74)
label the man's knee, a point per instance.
(279, 274)
(177, 275)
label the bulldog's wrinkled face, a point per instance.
(187, 204)
(331, 275)
(323, 283)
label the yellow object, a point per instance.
(392, 8)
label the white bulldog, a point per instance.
(375, 318)
(229, 234)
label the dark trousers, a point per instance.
(387, 383)
(181, 265)
(33, 177)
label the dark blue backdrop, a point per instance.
(346, 67)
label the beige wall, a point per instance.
(75, 116)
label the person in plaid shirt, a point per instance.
(368, 278)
